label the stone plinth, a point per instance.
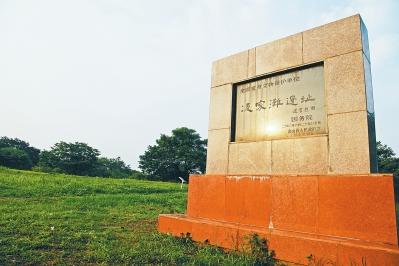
(342, 218)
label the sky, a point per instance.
(116, 74)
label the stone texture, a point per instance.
(359, 207)
(207, 197)
(294, 202)
(174, 225)
(344, 81)
(230, 69)
(250, 158)
(311, 155)
(348, 143)
(248, 200)
(251, 62)
(336, 38)
(366, 255)
(310, 215)
(218, 149)
(300, 156)
(220, 107)
(279, 54)
(283, 156)
(296, 248)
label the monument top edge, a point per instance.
(354, 16)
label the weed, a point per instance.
(313, 261)
(259, 248)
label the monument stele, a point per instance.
(292, 153)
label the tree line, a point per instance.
(176, 155)
(172, 156)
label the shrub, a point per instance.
(260, 250)
(15, 158)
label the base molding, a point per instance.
(343, 219)
(289, 246)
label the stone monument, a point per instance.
(292, 153)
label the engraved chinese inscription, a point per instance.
(283, 106)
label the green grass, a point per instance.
(54, 219)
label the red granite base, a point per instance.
(342, 219)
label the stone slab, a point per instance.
(207, 197)
(218, 151)
(247, 200)
(332, 39)
(230, 69)
(360, 207)
(220, 107)
(250, 158)
(348, 143)
(279, 54)
(344, 81)
(347, 206)
(295, 203)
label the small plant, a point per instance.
(259, 248)
(313, 261)
(186, 239)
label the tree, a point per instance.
(32, 152)
(107, 167)
(180, 154)
(387, 160)
(15, 158)
(70, 158)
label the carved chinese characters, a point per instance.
(281, 106)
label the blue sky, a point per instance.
(117, 74)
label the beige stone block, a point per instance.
(250, 158)
(311, 155)
(230, 69)
(218, 151)
(336, 38)
(300, 156)
(251, 63)
(220, 107)
(279, 54)
(348, 143)
(283, 160)
(344, 80)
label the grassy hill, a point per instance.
(53, 219)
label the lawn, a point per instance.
(54, 219)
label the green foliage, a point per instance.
(57, 219)
(21, 145)
(387, 160)
(260, 250)
(106, 167)
(81, 159)
(15, 158)
(138, 175)
(70, 158)
(180, 154)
